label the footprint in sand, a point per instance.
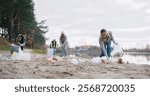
(103, 72)
(132, 78)
(147, 70)
(67, 73)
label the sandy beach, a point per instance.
(40, 68)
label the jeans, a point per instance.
(64, 51)
(108, 49)
(54, 51)
(21, 48)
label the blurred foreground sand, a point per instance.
(39, 68)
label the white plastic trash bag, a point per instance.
(59, 58)
(117, 51)
(96, 60)
(14, 48)
(74, 61)
(104, 58)
(82, 60)
(20, 55)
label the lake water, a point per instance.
(137, 58)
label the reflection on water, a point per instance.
(137, 58)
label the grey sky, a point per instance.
(82, 19)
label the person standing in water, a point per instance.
(105, 43)
(64, 44)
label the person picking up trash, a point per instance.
(64, 44)
(105, 43)
(53, 45)
(21, 40)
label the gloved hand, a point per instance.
(22, 44)
(108, 60)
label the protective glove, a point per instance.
(108, 60)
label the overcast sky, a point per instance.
(82, 20)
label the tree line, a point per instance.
(17, 16)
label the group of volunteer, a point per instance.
(63, 44)
(105, 40)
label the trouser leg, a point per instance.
(21, 48)
(102, 53)
(109, 49)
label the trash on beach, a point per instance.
(59, 58)
(74, 61)
(20, 55)
(117, 51)
(105, 60)
(4, 58)
(14, 48)
(52, 59)
(72, 56)
(120, 61)
(82, 60)
(96, 60)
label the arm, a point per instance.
(113, 38)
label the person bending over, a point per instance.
(105, 40)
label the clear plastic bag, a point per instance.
(20, 55)
(74, 61)
(117, 51)
(96, 60)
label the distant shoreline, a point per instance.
(137, 53)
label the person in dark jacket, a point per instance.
(53, 45)
(21, 40)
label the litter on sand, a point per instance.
(74, 61)
(96, 60)
(20, 55)
(104, 60)
(4, 58)
(14, 48)
(59, 58)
